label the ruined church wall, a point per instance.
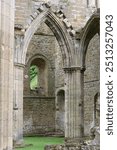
(91, 82)
(39, 110)
(39, 115)
(80, 12)
(42, 45)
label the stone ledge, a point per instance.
(38, 97)
(64, 147)
(61, 147)
(22, 146)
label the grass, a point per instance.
(40, 142)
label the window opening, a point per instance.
(34, 74)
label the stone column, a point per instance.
(6, 73)
(73, 104)
(18, 105)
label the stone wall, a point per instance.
(42, 46)
(80, 10)
(22, 10)
(91, 82)
(39, 115)
(64, 147)
(59, 73)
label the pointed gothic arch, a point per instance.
(65, 36)
(59, 25)
(91, 28)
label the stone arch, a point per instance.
(64, 33)
(41, 56)
(45, 64)
(91, 28)
(60, 110)
(59, 25)
(91, 81)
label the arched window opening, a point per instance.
(34, 75)
(38, 77)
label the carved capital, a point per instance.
(19, 65)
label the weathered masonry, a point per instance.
(49, 79)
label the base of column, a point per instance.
(18, 143)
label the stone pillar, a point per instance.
(73, 104)
(6, 73)
(18, 105)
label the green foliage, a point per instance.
(40, 142)
(33, 77)
(33, 72)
